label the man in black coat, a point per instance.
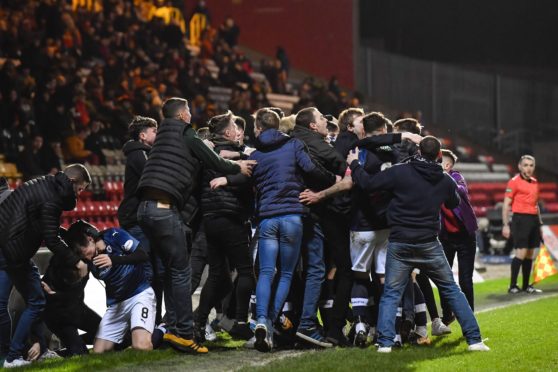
(142, 131)
(167, 192)
(226, 211)
(29, 216)
(311, 128)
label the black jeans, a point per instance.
(228, 240)
(465, 247)
(336, 237)
(66, 328)
(198, 257)
(171, 239)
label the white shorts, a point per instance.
(365, 245)
(380, 259)
(135, 312)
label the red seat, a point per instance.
(547, 196)
(548, 186)
(480, 211)
(552, 207)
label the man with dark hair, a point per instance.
(406, 148)
(378, 154)
(226, 211)
(418, 188)
(311, 128)
(350, 130)
(115, 258)
(142, 131)
(278, 181)
(458, 235)
(29, 216)
(169, 204)
(407, 125)
(522, 197)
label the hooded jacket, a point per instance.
(31, 214)
(418, 188)
(464, 212)
(278, 176)
(136, 155)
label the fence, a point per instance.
(508, 113)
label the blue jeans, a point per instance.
(5, 320)
(26, 280)
(429, 257)
(314, 270)
(171, 239)
(278, 245)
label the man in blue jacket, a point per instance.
(278, 179)
(418, 187)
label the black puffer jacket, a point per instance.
(31, 214)
(237, 201)
(136, 156)
(68, 299)
(171, 166)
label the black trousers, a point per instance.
(228, 240)
(198, 257)
(66, 328)
(465, 248)
(336, 238)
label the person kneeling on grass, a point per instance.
(65, 311)
(116, 257)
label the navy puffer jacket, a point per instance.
(278, 176)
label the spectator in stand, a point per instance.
(93, 141)
(30, 159)
(75, 148)
(229, 32)
(522, 197)
(458, 235)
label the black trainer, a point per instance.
(241, 330)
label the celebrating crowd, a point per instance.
(342, 223)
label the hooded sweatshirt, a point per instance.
(278, 176)
(136, 155)
(418, 187)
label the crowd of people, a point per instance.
(339, 218)
(73, 78)
(346, 215)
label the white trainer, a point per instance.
(384, 349)
(479, 346)
(210, 334)
(19, 362)
(439, 328)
